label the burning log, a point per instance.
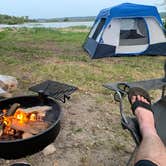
(38, 125)
(1, 130)
(10, 134)
(38, 109)
(30, 127)
(23, 122)
(7, 137)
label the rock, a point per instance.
(8, 83)
(50, 149)
(4, 93)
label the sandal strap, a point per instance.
(140, 104)
(135, 91)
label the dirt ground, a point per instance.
(90, 135)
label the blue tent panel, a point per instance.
(130, 10)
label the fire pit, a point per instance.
(30, 123)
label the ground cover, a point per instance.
(91, 133)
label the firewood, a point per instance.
(39, 109)
(7, 137)
(29, 127)
(39, 125)
(12, 109)
(18, 134)
(1, 130)
(41, 114)
(26, 135)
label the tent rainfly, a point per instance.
(127, 30)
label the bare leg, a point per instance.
(151, 147)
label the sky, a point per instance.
(63, 8)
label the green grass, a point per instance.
(38, 54)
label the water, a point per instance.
(48, 25)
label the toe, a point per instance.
(133, 99)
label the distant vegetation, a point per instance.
(5, 19)
(76, 19)
(73, 19)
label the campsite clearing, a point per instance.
(91, 134)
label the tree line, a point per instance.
(5, 19)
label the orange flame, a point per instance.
(20, 116)
(7, 121)
(32, 117)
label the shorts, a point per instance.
(145, 163)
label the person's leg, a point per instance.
(151, 147)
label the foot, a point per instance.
(144, 116)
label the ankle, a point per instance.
(146, 121)
(144, 116)
(148, 130)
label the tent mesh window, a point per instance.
(97, 29)
(133, 31)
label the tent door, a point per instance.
(133, 36)
(96, 30)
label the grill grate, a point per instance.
(54, 89)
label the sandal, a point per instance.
(139, 91)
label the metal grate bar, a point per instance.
(54, 89)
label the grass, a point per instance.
(37, 54)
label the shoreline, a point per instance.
(48, 25)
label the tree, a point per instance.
(66, 19)
(26, 18)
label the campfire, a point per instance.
(29, 123)
(21, 123)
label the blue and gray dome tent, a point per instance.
(126, 30)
